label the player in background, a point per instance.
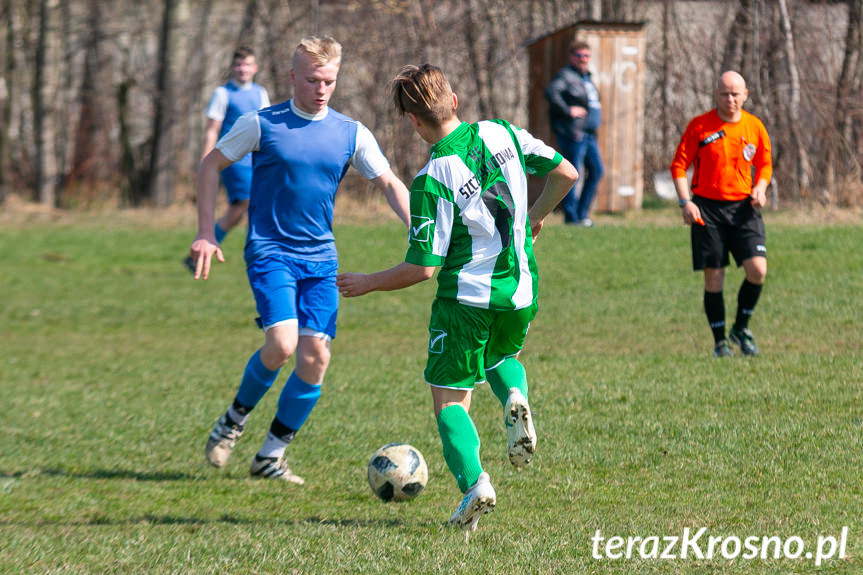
(228, 102)
(470, 217)
(726, 145)
(302, 149)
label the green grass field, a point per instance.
(114, 365)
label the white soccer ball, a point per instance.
(397, 472)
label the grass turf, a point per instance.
(114, 366)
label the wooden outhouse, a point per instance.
(617, 68)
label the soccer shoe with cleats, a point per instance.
(521, 436)
(273, 468)
(479, 500)
(744, 339)
(221, 442)
(722, 349)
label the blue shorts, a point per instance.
(237, 179)
(290, 289)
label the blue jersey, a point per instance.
(297, 169)
(228, 103)
(298, 160)
(241, 100)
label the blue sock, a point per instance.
(257, 379)
(220, 233)
(296, 401)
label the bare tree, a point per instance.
(163, 156)
(738, 48)
(6, 92)
(44, 102)
(665, 80)
(128, 113)
(793, 106)
(475, 49)
(847, 151)
(250, 23)
(94, 157)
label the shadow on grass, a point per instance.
(153, 519)
(103, 474)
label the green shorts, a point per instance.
(464, 341)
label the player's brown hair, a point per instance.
(423, 91)
(242, 52)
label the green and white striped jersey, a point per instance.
(469, 214)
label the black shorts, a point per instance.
(734, 227)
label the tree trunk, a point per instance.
(93, 163)
(250, 21)
(6, 91)
(45, 102)
(793, 107)
(738, 47)
(474, 50)
(279, 30)
(162, 159)
(66, 96)
(665, 125)
(847, 150)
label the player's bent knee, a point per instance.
(280, 351)
(756, 270)
(313, 358)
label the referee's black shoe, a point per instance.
(743, 338)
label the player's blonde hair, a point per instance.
(322, 49)
(424, 92)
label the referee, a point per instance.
(729, 149)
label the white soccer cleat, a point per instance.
(221, 442)
(479, 500)
(273, 468)
(521, 436)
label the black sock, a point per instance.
(747, 297)
(282, 431)
(242, 409)
(714, 307)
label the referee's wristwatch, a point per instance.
(682, 203)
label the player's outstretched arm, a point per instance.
(211, 136)
(403, 275)
(396, 193)
(559, 181)
(205, 246)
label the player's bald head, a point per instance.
(730, 79)
(731, 93)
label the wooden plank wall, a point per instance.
(618, 67)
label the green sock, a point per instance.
(508, 374)
(460, 445)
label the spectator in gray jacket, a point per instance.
(575, 115)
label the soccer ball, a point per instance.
(397, 472)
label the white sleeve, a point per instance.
(218, 106)
(368, 158)
(265, 98)
(531, 145)
(242, 138)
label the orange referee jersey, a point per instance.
(724, 155)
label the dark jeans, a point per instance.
(584, 155)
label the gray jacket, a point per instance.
(569, 88)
